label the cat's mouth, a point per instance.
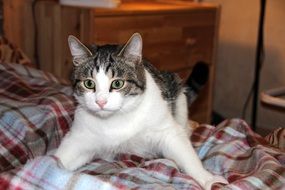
(103, 113)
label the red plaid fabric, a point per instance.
(277, 138)
(231, 149)
(35, 112)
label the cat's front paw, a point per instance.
(214, 179)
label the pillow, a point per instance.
(10, 53)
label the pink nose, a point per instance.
(101, 103)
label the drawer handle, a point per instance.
(190, 41)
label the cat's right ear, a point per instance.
(133, 48)
(78, 50)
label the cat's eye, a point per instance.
(90, 84)
(117, 84)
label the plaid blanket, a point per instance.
(36, 110)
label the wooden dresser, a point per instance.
(175, 34)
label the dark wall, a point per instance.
(1, 17)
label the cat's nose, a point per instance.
(101, 103)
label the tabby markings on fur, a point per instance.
(127, 106)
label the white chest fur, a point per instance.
(142, 125)
(150, 114)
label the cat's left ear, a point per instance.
(133, 48)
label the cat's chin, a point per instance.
(102, 113)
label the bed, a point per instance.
(36, 110)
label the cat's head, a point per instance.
(108, 79)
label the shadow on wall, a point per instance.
(234, 78)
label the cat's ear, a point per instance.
(133, 48)
(78, 50)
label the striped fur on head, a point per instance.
(117, 61)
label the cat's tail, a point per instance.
(196, 81)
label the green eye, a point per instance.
(117, 84)
(90, 84)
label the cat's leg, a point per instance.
(181, 114)
(73, 154)
(181, 111)
(176, 146)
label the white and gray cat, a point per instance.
(127, 106)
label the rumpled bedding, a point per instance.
(36, 110)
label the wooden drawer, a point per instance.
(172, 42)
(175, 36)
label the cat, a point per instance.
(125, 105)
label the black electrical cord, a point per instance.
(254, 91)
(258, 65)
(245, 106)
